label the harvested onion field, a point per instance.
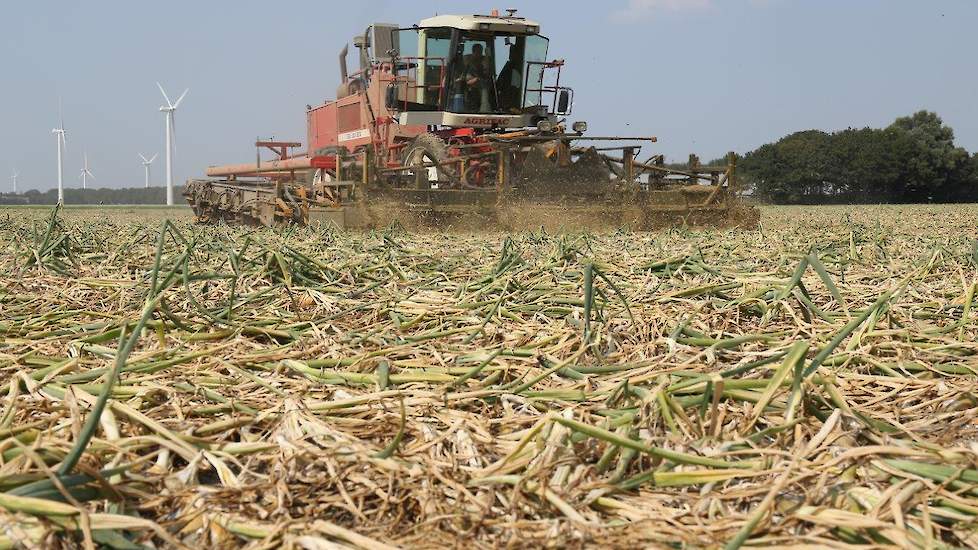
(168, 385)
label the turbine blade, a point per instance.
(154, 158)
(158, 85)
(179, 99)
(142, 157)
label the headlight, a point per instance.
(545, 126)
(580, 126)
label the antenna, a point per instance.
(146, 163)
(86, 173)
(171, 131)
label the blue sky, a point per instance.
(705, 76)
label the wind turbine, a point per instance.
(62, 146)
(169, 109)
(146, 164)
(86, 173)
(13, 178)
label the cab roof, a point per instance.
(494, 23)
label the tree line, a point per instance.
(912, 160)
(103, 195)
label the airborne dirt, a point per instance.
(530, 215)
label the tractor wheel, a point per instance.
(428, 148)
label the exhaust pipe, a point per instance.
(343, 89)
(344, 74)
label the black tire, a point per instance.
(429, 148)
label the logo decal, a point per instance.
(487, 121)
(355, 134)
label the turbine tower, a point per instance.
(59, 133)
(146, 164)
(13, 178)
(86, 173)
(169, 109)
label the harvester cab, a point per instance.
(461, 119)
(476, 71)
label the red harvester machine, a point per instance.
(461, 120)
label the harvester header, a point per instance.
(461, 120)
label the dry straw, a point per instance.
(810, 383)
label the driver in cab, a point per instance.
(475, 80)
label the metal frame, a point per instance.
(555, 89)
(408, 87)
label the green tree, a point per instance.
(867, 164)
(794, 169)
(932, 159)
(913, 160)
(965, 181)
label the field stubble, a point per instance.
(812, 382)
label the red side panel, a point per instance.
(326, 162)
(322, 127)
(346, 121)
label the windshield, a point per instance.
(489, 73)
(485, 73)
(535, 55)
(423, 55)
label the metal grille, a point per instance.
(384, 40)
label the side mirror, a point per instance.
(390, 97)
(563, 102)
